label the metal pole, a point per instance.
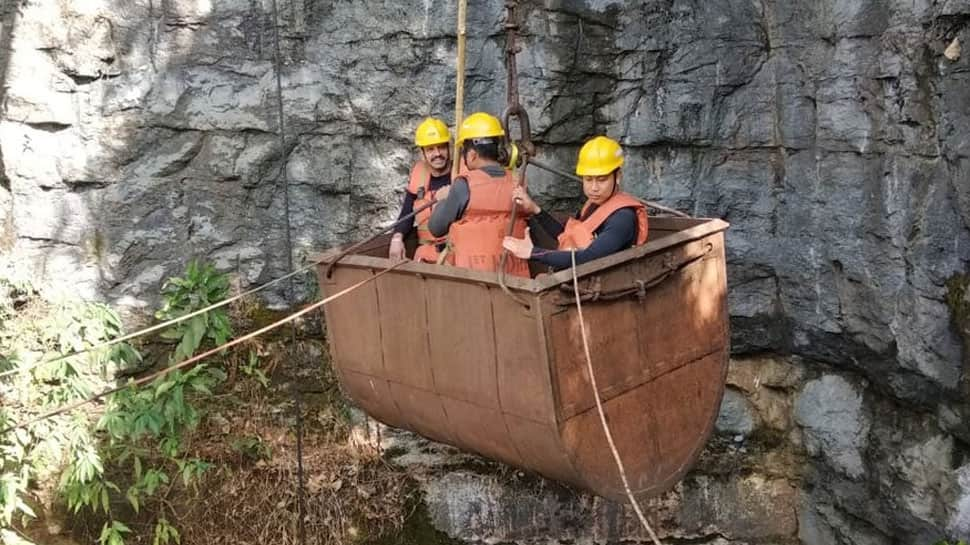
(459, 82)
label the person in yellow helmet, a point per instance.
(609, 221)
(478, 207)
(429, 174)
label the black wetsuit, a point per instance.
(617, 233)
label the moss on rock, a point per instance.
(417, 530)
(958, 300)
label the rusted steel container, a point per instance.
(446, 353)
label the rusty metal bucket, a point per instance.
(442, 351)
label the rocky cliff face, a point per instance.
(833, 135)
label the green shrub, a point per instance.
(134, 452)
(200, 287)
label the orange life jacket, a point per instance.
(476, 238)
(579, 234)
(420, 184)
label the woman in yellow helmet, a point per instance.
(609, 222)
(428, 175)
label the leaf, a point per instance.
(154, 422)
(201, 387)
(8, 537)
(216, 374)
(198, 326)
(105, 500)
(25, 509)
(162, 388)
(129, 353)
(132, 495)
(171, 333)
(178, 397)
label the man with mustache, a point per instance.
(428, 175)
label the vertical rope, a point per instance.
(459, 82)
(284, 179)
(599, 408)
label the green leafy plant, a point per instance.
(136, 451)
(72, 327)
(15, 473)
(165, 533)
(113, 533)
(253, 448)
(200, 287)
(35, 335)
(251, 368)
(145, 429)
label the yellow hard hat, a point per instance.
(599, 156)
(430, 132)
(480, 125)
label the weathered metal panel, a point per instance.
(661, 416)
(423, 411)
(404, 330)
(462, 337)
(612, 335)
(684, 319)
(676, 322)
(523, 378)
(659, 429)
(353, 322)
(681, 434)
(481, 430)
(543, 451)
(374, 394)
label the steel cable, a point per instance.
(284, 180)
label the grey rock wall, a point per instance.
(833, 135)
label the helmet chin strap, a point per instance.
(616, 184)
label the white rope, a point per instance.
(156, 327)
(193, 359)
(173, 321)
(599, 408)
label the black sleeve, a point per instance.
(545, 229)
(404, 227)
(617, 233)
(447, 212)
